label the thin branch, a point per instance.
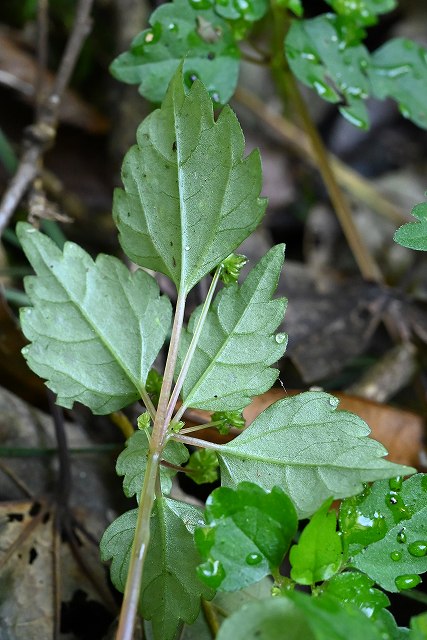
(359, 187)
(366, 263)
(42, 50)
(195, 442)
(40, 136)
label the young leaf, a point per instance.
(203, 465)
(267, 620)
(132, 463)
(320, 56)
(330, 619)
(362, 12)
(396, 560)
(247, 11)
(248, 534)
(170, 592)
(418, 627)
(414, 234)
(237, 346)
(317, 556)
(310, 450)
(357, 589)
(76, 324)
(182, 29)
(398, 70)
(190, 198)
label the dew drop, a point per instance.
(396, 483)
(280, 337)
(187, 248)
(418, 548)
(407, 581)
(153, 35)
(212, 572)
(424, 482)
(172, 27)
(396, 555)
(215, 97)
(190, 77)
(401, 536)
(253, 558)
(397, 507)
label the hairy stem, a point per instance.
(148, 492)
(191, 349)
(199, 427)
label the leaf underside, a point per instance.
(95, 328)
(237, 346)
(170, 592)
(190, 198)
(310, 450)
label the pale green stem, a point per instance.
(148, 403)
(199, 427)
(139, 550)
(142, 531)
(195, 442)
(191, 349)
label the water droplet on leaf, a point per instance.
(201, 4)
(397, 507)
(401, 536)
(253, 558)
(396, 555)
(407, 581)
(190, 77)
(418, 548)
(396, 483)
(212, 573)
(280, 337)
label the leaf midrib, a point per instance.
(136, 383)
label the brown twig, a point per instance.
(356, 185)
(40, 136)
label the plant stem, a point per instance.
(142, 531)
(195, 442)
(199, 427)
(191, 349)
(139, 550)
(288, 87)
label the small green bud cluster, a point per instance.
(228, 419)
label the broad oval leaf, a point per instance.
(357, 589)
(190, 198)
(132, 463)
(237, 346)
(317, 556)
(170, 591)
(182, 29)
(247, 535)
(396, 559)
(414, 234)
(312, 451)
(76, 326)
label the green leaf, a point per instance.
(237, 345)
(414, 234)
(317, 556)
(249, 11)
(132, 463)
(357, 589)
(310, 450)
(203, 465)
(418, 627)
(76, 326)
(182, 29)
(170, 592)
(321, 57)
(248, 534)
(325, 53)
(267, 620)
(363, 12)
(398, 70)
(330, 619)
(190, 198)
(396, 560)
